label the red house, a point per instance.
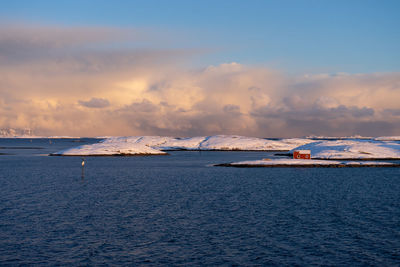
(302, 154)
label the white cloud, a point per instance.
(73, 86)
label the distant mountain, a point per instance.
(10, 132)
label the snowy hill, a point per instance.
(320, 149)
(157, 144)
(353, 149)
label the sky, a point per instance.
(187, 68)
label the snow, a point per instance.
(189, 143)
(303, 151)
(388, 138)
(154, 144)
(16, 133)
(24, 137)
(320, 149)
(302, 162)
(64, 137)
(352, 149)
(321, 137)
(232, 142)
(112, 146)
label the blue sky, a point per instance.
(188, 68)
(293, 36)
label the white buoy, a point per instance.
(83, 168)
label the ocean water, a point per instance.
(179, 210)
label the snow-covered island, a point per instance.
(341, 149)
(352, 149)
(304, 163)
(336, 153)
(116, 146)
(17, 133)
(157, 145)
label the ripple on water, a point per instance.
(176, 211)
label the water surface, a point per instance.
(177, 210)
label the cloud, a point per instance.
(102, 81)
(145, 106)
(391, 112)
(95, 103)
(233, 109)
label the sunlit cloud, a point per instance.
(103, 81)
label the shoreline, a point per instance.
(109, 155)
(340, 165)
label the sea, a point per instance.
(180, 210)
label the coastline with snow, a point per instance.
(352, 149)
(303, 163)
(157, 145)
(341, 149)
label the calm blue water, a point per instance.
(176, 210)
